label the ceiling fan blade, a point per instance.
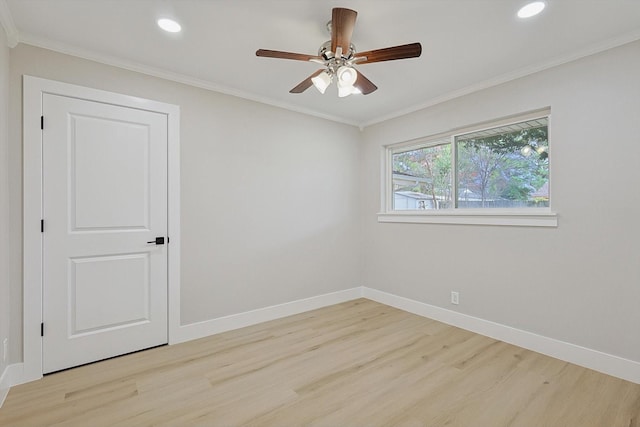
(306, 83)
(412, 50)
(364, 85)
(342, 23)
(286, 55)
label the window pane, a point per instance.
(422, 178)
(504, 167)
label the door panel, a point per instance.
(98, 165)
(108, 292)
(104, 198)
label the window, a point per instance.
(498, 170)
(422, 177)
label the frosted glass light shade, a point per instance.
(321, 81)
(347, 76)
(344, 90)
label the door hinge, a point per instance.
(42, 225)
(167, 239)
(42, 329)
(41, 122)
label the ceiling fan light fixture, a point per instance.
(348, 90)
(321, 81)
(346, 76)
(531, 9)
(344, 91)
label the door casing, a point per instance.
(33, 89)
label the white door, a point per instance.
(104, 199)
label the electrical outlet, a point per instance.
(5, 349)
(455, 297)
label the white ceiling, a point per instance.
(467, 44)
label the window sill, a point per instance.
(517, 218)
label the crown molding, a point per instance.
(6, 20)
(66, 49)
(522, 72)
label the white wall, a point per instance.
(269, 197)
(579, 282)
(4, 195)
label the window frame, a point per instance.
(534, 216)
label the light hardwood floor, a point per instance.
(354, 364)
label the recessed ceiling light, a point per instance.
(531, 9)
(169, 25)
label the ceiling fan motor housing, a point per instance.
(325, 52)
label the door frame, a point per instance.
(33, 90)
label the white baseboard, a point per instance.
(11, 376)
(598, 361)
(235, 321)
(4, 386)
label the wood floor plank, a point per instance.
(352, 364)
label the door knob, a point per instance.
(158, 241)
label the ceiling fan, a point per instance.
(339, 56)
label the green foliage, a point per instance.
(513, 141)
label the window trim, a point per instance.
(532, 217)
